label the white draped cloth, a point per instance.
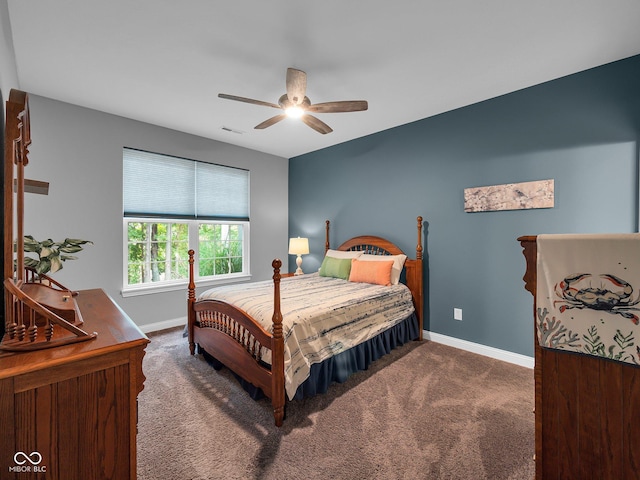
(588, 294)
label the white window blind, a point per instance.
(158, 185)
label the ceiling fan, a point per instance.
(295, 103)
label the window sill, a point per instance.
(182, 285)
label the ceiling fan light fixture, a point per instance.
(294, 107)
(294, 112)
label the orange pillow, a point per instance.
(371, 272)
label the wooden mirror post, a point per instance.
(33, 303)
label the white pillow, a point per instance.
(398, 263)
(341, 254)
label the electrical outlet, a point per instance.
(457, 314)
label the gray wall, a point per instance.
(8, 71)
(79, 151)
(582, 131)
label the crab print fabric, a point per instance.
(588, 295)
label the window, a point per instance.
(172, 205)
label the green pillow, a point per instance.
(335, 267)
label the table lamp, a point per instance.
(298, 246)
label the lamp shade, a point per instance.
(298, 246)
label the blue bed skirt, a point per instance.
(341, 366)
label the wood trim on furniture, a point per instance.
(28, 311)
(586, 408)
(74, 402)
(17, 138)
(76, 405)
(38, 311)
(235, 338)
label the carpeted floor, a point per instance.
(426, 411)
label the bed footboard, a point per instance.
(239, 342)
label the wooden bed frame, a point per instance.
(586, 408)
(235, 339)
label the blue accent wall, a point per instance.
(581, 130)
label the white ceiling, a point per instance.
(164, 62)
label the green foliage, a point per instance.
(51, 254)
(624, 342)
(158, 251)
(220, 249)
(593, 342)
(595, 346)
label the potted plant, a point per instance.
(51, 255)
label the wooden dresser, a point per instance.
(70, 412)
(586, 408)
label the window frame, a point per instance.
(180, 284)
(205, 193)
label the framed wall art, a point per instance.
(510, 196)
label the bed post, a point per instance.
(420, 294)
(277, 350)
(419, 245)
(326, 237)
(191, 298)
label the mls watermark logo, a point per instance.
(27, 463)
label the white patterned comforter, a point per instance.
(322, 316)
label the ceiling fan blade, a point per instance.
(248, 100)
(271, 121)
(317, 124)
(337, 107)
(296, 85)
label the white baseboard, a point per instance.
(157, 326)
(504, 355)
